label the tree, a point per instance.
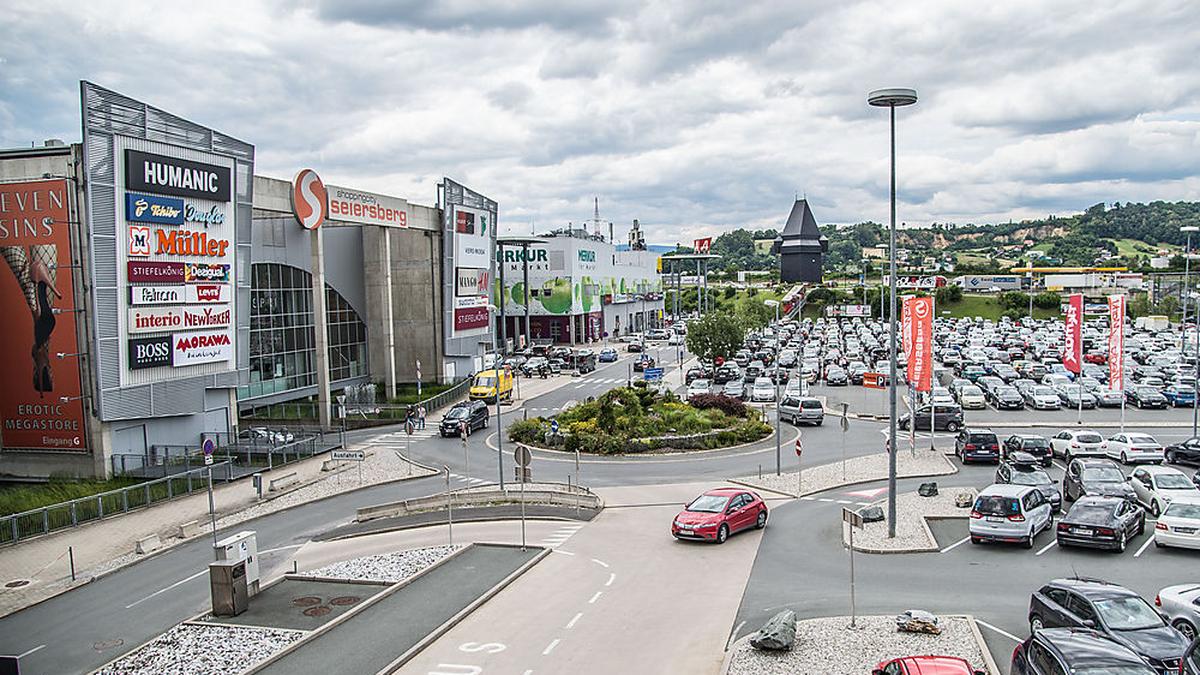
(715, 334)
(753, 313)
(949, 294)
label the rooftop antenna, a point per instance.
(596, 216)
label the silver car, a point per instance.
(802, 410)
(1181, 605)
(1009, 513)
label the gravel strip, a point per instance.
(191, 649)
(388, 567)
(911, 512)
(828, 646)
(857, 470)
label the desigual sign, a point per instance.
(191, 349)
(178, 294)
(201, 272)
(162, 319)
(148, 172)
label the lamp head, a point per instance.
(892, 97)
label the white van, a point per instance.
(1010, 513)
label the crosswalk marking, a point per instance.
(561, 535)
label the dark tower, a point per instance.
(801, 246)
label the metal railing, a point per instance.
(394, 413)
(18, 526)
(245, 453)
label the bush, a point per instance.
(951, 293)
(726, 404)
(528, 431)
(1047, 300)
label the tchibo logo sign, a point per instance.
(150, 352)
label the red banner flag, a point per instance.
(920, 343)
(1116, 342)
(1073, 342)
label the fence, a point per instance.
(246, 452)
(394, 413)
(69, 514)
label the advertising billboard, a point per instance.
(1116, 342)
(472, 237)
(368, 208)
(470, 281)
(1073, 339)
(470, 313)
(920, 341)
(41, 404)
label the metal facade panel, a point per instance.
(106, 305)
(129, 403)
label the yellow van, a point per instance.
(485, 384)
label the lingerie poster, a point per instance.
(40, 399)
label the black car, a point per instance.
(1144, 396)
(1054, 651)
(1187, 452)
(973, 445)
(946, 416)
(636, 347)
(1101, 522)
(695, 372)
(835, 376)
(474, 413)
(1114, 611)
(1004, 397)
(1038, 446)
(642, 363)
(1095, 476)
(1021, 469)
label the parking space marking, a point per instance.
(955, 544)
(809, 499)
(1140, 551)
(1060, 466)
(1001, 631)
(600, 562)
(612, 576)
(571, 623)
(595, 597)
(1047, 547)
(550, 647)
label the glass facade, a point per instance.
(282, 337)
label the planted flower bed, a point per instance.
(632, 420)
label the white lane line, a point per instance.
(955, 545)
(160, 591)
(595, 597)
(528, 672)
(863, 503)
(571, 623)
(600, 562)
(844, 501)
(550, 647)
(612, 576)
(563, 552)
(581, 385)
(1056, 463)
(23, 655)
(809, 499)
(1145, 546)
(823, 499)
(1047, 547)
(1003, 632)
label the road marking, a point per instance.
(1057, 464)
(181, 582)
(571, 623)
(733, 634)
(844, 501)
(1146, 545)
(1047, 547)
(595, 597)
(600, 562)
(282, 548)
(1005, 633)
(823, 499)
(549, 648)
(955, 544)
(23, 655)
(612, 576)
(562, 552)
(809, 499)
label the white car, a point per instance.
(698, 387)
(1011, 514)
(1179, 525)
(792, 389)
(763, 390)
(942, 395)
(1135, 448)
(971, 397)
(1043, 398)
(676, 339)
(1072, 443)
(1157, 486)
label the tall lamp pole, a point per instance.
(891, 99)
(1187, 262)
(778, 452)
(499, 415)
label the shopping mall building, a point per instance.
(158, 291)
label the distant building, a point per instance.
(763, 246)
(801, 246)
(875, 252)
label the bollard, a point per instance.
(71, 556)
(760, 471)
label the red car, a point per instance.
(926, 665)
(716, 514)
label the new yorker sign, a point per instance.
(159, 174)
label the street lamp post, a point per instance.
(891, 99)
(1187, 262)
(499, 414)
(778, 452)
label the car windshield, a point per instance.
(972, 391)
(1043, 391)
(1088, 438)
(1147, 391)
(1035, 443)
(1173, 481)
(983, 438)
(457, 414)
(1128, 613)
(994, 505)
(485, 381)
(1183, 510)
(1142, 440)
(708, 504)
(810, 403)
(700, 384)
(1031, 478)
(1103, 474)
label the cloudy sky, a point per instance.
(693, 116)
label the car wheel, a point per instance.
(1122, 542)
(722, 533)
(1170, 457)
(1027, 542)
(762, 520)
(1141, 526)
(1035, 624)
(1155, 509)
(820, 421)
(1185, 628)
(1124, 458)
(952, 426)
(976, 540)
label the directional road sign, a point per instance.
(522, 456)
(554, 426)
(653, 374)
(348, 455)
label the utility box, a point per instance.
(242, 546)
(227, 581)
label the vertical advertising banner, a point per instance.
(473, 256)
(920, 354)
(1116, 342)
(906, 326)
(41, 403)
(1073, 341)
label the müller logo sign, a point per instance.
(148, 172)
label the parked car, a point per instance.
(801, 410)
(734, 389)
(1179, 524)
(698, 387)
(1054, 651)
(1041, 397)
(473, 413)
(973, 445)
(1180, 396)
(763, 390)
(1038, 446)
(1101, 522)
(1021, 468)
(971, 397)
(946, 416)
(1004, 397)
(1009, 513)
(1145, 396)
(608, 355)
(1156, 487)
(1187, 452)
(926, 665)
(1073, 398)
(1191, 659)
(1094, 476)
(1134, 447)
(1071, 443)
(1108, 398)
(1114, 611)
(1181, 604)
(835, 376)
(717, 514)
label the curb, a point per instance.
(651, 455)
(484, 519)
(841, 485)
(989, 661)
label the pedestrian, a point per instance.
(421, 416)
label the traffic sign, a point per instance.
(554, 426)
(208, 446)
(522, 456)
(653, 374)
(348, 455)
(853, 517)
(799, 447)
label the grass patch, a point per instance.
(986, 306)
(26, 497)
(1133, 248)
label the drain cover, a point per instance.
(319, 610)
(306, 601)
(107, 644)
(17, 583)
(344, 600)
